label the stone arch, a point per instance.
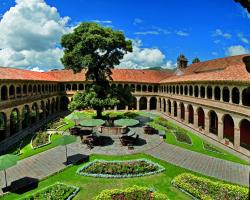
(25, 117)
(81, 87)
(217, 94)
(74, 87)
(18, 91)
(25, 90)
(196, 91)
(181, 90)
(186, 90)
(228, 127)
(235, 95)
(143, 103)
(169, 106)
(30, 89)
(191, 92)
(225, 94)
(3, 125)
(164, 106)
(175, 108)
(39, 89)
(4, 93)
(177, 89)
(173, 89)
(47, 106)
(132, 86)
(64, 102)
(202, 91)
(42, 110)
(190, 114)
(244, 133)
(150, 88)
(68, 87)
(12, 92)
(213, 122)
(138, 88)
(34, 113)
(170, 89)
(62, 88)
(14, 121)
(201, 118)
(155, 88)
(246, 97)
(133, 104)
(53, 106)
(209, 92)
(144, 88)
(182, 107)
(153, 103)
(34, 89)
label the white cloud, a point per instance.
(243, 38)
(144, 58)
(244, 12)
(37, 69)
(102, 21)
(30, 35)
(147, 33)
(236, 50)
(214, 53)
(182, 33)
(137, 21)
(219, 32)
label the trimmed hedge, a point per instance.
(181, 136)
(120, 169)
(57, 191)
(131, 193)
(206, 189)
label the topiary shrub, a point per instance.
(206, 189)
(131, 193)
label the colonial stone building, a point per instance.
(212, 97)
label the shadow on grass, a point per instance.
(76, 159)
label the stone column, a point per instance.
(162, 105)
(220, 130)
(178, 112)
(213, 96)
(240, 90)
(115, 108)
(186, 115)
(236, 138)
(126, 108)
(195, 120)
(148, 104)
(7, 133)
(166, 105)
(230, 95)
(158, 105)
(207, 125)
(137, 103)
(172, 109)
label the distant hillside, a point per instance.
(161, 69)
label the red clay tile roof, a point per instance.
(7, 73)
(119, 75)
(222, 69)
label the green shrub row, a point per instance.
(131, 193)
(206, 189)
(57, 191)
(210, 147)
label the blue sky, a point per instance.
(161, 29)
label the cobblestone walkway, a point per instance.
(51, 161)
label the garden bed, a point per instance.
(205, 189)
(120, 169)
(131, 193)
(40, 139)
(182, 137)
(57, 191)
(210, 147)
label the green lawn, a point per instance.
(197, 144)
(91, 187)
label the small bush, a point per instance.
(181, 136)
(206, 189)
(131, 193)
(57, 191)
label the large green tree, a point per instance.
(96, 49)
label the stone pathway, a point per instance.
(46, 163)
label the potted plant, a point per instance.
(200, 128)
(226, 141)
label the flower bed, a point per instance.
(40, 139)
(182, 137)
(57, 191)
(120, 169)
(56, 124)
(210, 147)
(206, 189)
(131, 193)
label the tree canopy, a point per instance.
(97, 50)
(245, 4)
